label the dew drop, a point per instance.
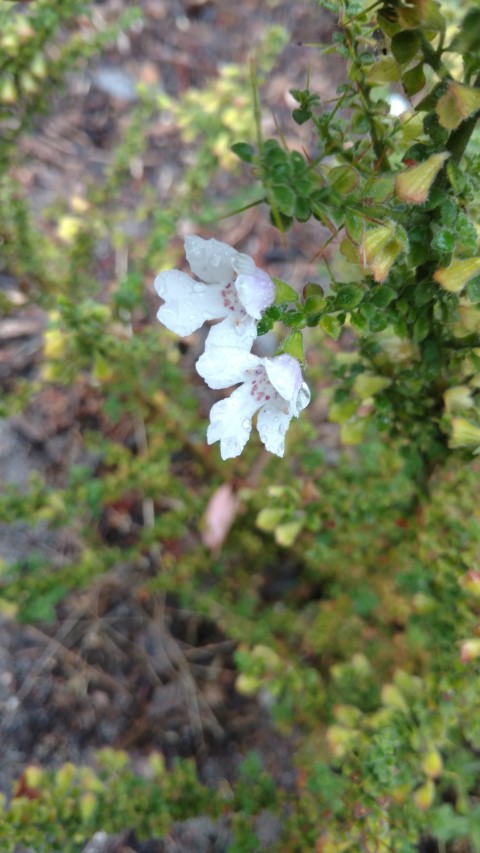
(197, 288)
(246, 423)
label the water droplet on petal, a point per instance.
(198, 288)
(246, 423)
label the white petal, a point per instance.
(285, 375)
(188, 303)
(302, 400)
(210, 260)
(272, 423)
(231, 421)
(244, 264)
(233, 332)
(222, 367)
(256, 292)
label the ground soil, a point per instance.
(88, 680)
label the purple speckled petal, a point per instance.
(285, 375)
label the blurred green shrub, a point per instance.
(354, 603)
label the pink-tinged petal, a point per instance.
(285, 375)
(219, 517)
(188, 303)
(256, 291)
(222, 367)
(210, 260)
(231, 421)
(234, 331)
(272, 424)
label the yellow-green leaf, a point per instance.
(458, 103)
(456, 276)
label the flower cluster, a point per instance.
(233, 290)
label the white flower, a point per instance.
(231, 289)
(272, 386)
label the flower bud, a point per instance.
(470, 650)
(393, 698)
(424, 795)
(458, 274)
(470, 582)
(432, 764)
(413, 186)
(464, 433)
(457, 398)
(88, 802)
(8, 92)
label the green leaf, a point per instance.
(382, 296)
(301, 116)
(244, 151)
(330, 326)
(284, 292)
(421, 328)
(314, 304)
(473, 290)
(284, 198)
(405, 45)
(294, 318)
(414, 80)
(348, 297)
(444, 241)
(384, 71)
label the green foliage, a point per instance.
(62, 809)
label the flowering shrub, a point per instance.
(348, 579)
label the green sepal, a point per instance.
(284, 293)
(293, 345)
